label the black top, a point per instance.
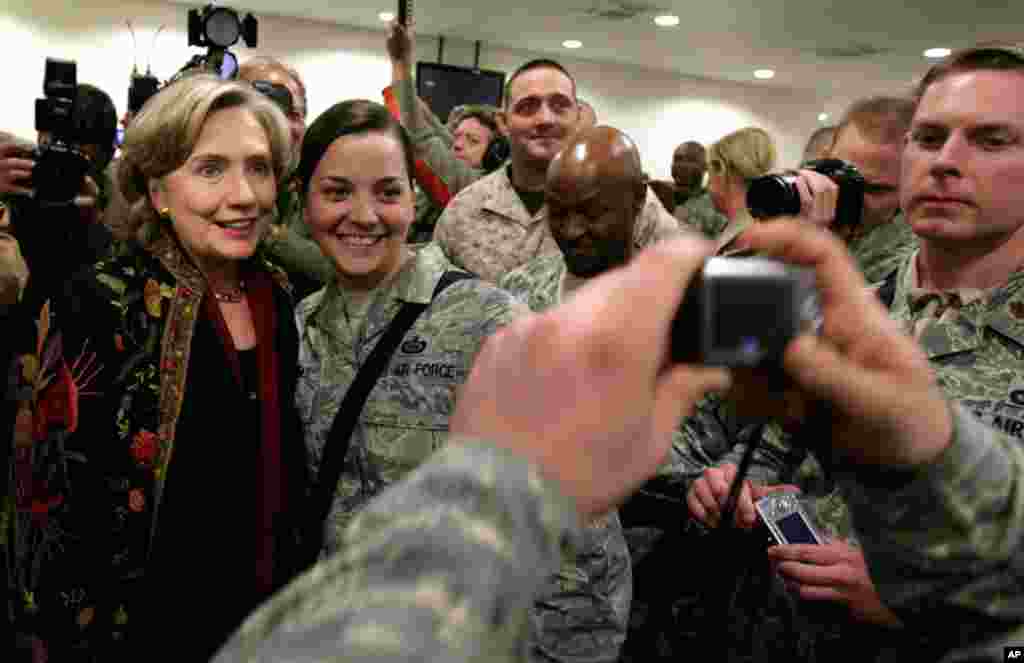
(200, 580)
(203, 564)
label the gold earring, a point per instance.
(165, 213)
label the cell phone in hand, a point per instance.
(404, 12)
(786, 520)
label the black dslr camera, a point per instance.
(743, 312)
(776, 195)
(61, 166)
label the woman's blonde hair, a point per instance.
(161, 137)
(747, 153)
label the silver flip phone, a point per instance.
(786, 519)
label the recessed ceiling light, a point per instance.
(387, 17)
(667, 20)
(937, 53)
(822, 117)
(572, 43)
(764, 73)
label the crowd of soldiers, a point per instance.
(476, 513)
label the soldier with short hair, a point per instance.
(595, 191)
(500, 222)
(960, 296)
(870, 136)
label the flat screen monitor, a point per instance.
(445, 86)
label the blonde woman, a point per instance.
(163, 454)
(732, 162)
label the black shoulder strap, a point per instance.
(336, 447)
(887, 291)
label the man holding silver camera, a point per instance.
(433, 573)
(960, 297)
(870, 137)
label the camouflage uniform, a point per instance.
(732, 230)
(428, 573)
(583, 611)
(945, 544)
(878, 252)
(975, 343)
(432, 143)
(487, 230)
(538, 282)
(406, 416)
(699, 213)
(409, 589)
(882, 249)
(656, 534)
(290, 245)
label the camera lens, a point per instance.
(773, 195)
(222, 27)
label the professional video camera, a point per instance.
(743, 312)
(61, 165)
(218, 28)
(776, 195)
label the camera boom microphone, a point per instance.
(152, 47)
(135, 48)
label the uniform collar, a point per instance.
(735, 228)
(1000, 309)
(415, 282)
(503, 199)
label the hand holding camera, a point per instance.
(884, 408)
(587, 390)
(88, 201)
(826, 192)
(818, 197)
(536, 384)
(15, 170)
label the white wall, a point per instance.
(657, 109)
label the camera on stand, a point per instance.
(217, 29)
(214, 28)
(61, 165)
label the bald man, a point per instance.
(500, 222)
(689, 165)
(595, 192)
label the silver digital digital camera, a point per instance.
(743, 312)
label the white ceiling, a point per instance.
(809, 44)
